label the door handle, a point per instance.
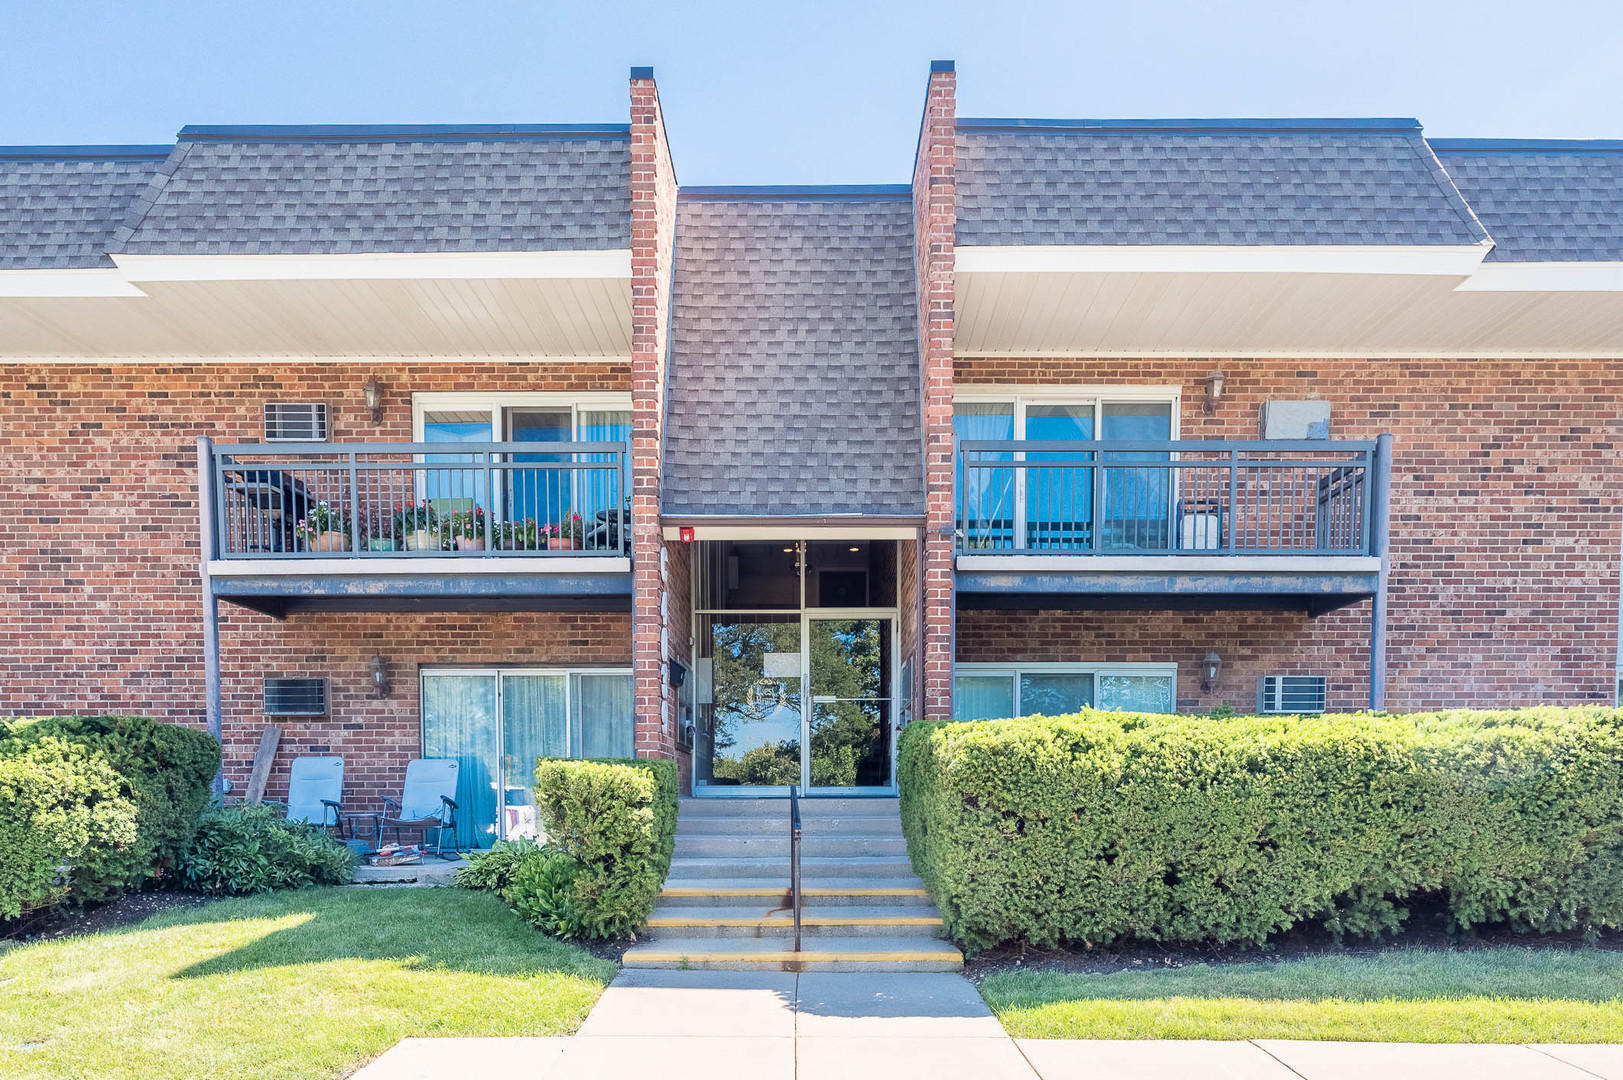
(824, 699)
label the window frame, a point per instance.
(1078, 667)
(496, 404)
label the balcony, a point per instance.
(417, 526)
(1192, 525)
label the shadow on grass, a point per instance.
(425, 929)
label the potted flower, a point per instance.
(468, 529)
(519, 535)
(323, 529)
(418, 526)
(565, 535)
(378, 531)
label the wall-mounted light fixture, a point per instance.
(1210, 669)
(372, 395)
(380, 676)
(1214, 388)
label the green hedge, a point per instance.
(251, 848)
(93, 805)
(617, 820)
(1096, 827)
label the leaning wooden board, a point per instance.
(269, 739)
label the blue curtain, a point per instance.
(601, 494)
(982, 697)
(1059, 498)
(986, 494)
(603, 713)
(539, 495)
(453, 489)
(1136, 499)
(460, 721)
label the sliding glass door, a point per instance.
(497, 721)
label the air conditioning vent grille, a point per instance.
(295, 697)
(295, 421)
(1292, 693)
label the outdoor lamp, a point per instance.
(1211, 667)
(372, 394)
(380, 676)
(1214, 388)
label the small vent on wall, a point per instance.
(295, 421)
(1291, 693)
(295, 697)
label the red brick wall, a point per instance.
(653, 222)
(1505, 524)
(679, 641)
(98, 541)
(935, 221)
(909, 606)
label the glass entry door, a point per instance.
(848, 742)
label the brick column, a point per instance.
(653, 219)
(935, 219)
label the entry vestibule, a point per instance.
(795, 666)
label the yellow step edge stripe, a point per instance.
(805, 920)
(804, 956)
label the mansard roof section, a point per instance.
(1232, 183)
(1544, 200)
(794, 381)
(348, 190)
(60, 205)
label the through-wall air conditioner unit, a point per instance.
(295, 697)
(295, 421)
(1294, 694)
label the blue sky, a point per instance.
(814, 92)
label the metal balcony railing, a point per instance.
(418, 500)
(1167, 498)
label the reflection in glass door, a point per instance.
(749, 724)
(849, 664)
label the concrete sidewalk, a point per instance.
(733, 1025)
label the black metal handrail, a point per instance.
(419, 500)
(1205, 496)
(794, 858)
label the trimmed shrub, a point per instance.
(541, 888)
(91, 806)
(254, 849)
(1096, 827)
(616, 819)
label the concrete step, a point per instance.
(723, 845)
(827, 892)
(756, 825)
(847, 953)
(769, 918)
(813, 869)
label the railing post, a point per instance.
(354, 506)
(206, 550)
(1097, 511)
(1234, 500)
(490, 497)
(1380, 539)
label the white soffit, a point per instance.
(88, 282)
(1446, 260)
(451, 266)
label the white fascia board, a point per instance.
(470, 265)
(91, 281)
(1545, 277)
(1437, 259)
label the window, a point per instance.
(1052, 507)
(990, 691)
(295, 697)
(1291, 693)
(496, 721)
(539, 493)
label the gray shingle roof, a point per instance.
(1543, 201)
(59, 206)
(301, 191)
(794, 382)
(1106, 182)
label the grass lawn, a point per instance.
(296, 984)
(1499, 995)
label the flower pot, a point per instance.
(327, 541)
(421, 540)
(470, 543)
(561, 543)
(380, 543)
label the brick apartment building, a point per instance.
(1153, 415)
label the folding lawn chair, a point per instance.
(315, 791)
(426, 802)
